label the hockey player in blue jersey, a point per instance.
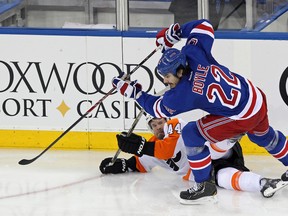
(235, 105)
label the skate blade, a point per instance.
(201, 201)
(270, 191)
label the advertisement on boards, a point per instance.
(48, 82)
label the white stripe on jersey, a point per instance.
(252, 97)
(157, 109)
(205, 30)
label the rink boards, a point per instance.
(49, 81)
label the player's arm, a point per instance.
(198, 32)
(137, 145)
(164, 149)
(161, 149)
(133, 89)
(155, 105)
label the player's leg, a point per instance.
(198, 154)
(265, 136)
(195, 134)
(200, 163)
(233, 179)
(272, 140)
(231, 173)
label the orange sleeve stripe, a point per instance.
(235, 181)
(139, 165)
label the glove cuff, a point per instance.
(172, 35)
(138, 94)
(131, 164)
(137, 91)
(149, 148)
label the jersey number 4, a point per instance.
(174, 129)
(215, 90)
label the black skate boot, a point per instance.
(270, 186)
(200, 193)
(284, 176)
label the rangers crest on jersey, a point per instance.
(169, 110)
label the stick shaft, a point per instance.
(26, 161)
(128, 134)
(142, 111)
(147, 57)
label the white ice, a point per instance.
(69, 183)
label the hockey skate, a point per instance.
(284, 176)
(200, 193)
(272, 185)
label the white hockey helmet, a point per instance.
(148, 119)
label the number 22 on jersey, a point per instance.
(215, 90)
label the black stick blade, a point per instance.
(25, 162)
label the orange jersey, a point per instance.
(170, 153)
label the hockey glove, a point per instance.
(120, 166)
(118, 79)
(135, 144)
(129, 89)
(169, 36)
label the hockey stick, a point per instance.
(230, 14)
(28, 161)
(142, 111)
(128, 134)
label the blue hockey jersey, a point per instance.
(209, 86)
